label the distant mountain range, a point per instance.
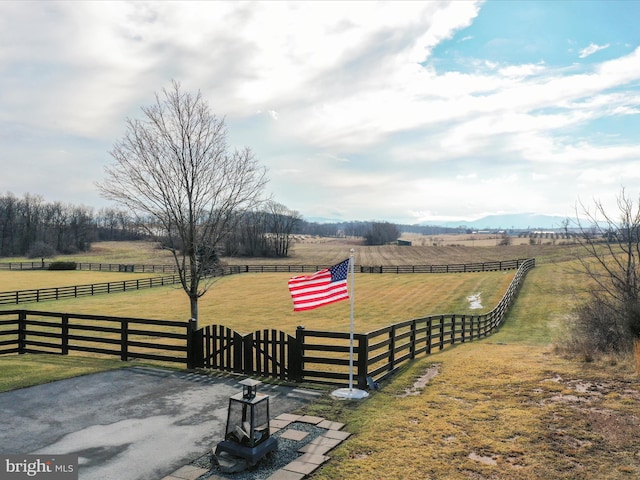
(518, 221)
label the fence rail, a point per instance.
(74, 291)
(311, 356)
(98, 267)
(57, 293)
(381, 352)
(231, 269)
(26, 331)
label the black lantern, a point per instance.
(247, 434)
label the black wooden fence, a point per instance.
(310, 356)
(74, 291)
(58, 293)
(324, 357)
(231, 269)
(98, 267)
(26, 331)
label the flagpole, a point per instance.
(353, 292)
(351, 393)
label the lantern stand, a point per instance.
(247, 433)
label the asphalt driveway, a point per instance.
(135, 423)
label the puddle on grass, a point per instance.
(422, 381)
(474, 301)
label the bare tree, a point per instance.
(282, 223)
(381, 233)
(612, 263)
(174, 167)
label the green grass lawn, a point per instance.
(250, 301)
(19, 371)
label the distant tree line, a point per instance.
(31, 227)
(364, 229)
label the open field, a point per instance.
(505, 407)
(29, 280)
(328, 251)
(250, 301)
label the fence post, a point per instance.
(453, 329)
(392, 347)
(247, 365)
(412, 346)
(297, 365)
(294, 360)
(464, 328)
(195, 355)
(206, 332)
(362, 360)
(65, 334)
(22, 332)
(124, 340)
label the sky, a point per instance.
(406, 112)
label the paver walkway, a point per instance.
(312, 455)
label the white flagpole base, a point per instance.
(350, 393)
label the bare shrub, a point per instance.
(598, 328)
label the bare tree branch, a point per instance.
(612, 247)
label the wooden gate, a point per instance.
(265, 353)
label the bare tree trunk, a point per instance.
(194, 310)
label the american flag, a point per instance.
(323, 287)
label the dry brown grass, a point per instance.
(496, 411)
(328, 251)
(29, 280)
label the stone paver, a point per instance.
(286, 475)
(301, 467)
(316, 449)
(322, 440)
(311, 419)
(331, 425)
(313, 458)
(288, 416)
(279, 424)
(296, 435)
(188, 472)
(337, 434)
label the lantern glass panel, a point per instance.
(248, 420)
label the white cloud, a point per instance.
(364, 112)
(591, 49)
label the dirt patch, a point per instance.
(422, 381)
(593, 416)
(492, 460)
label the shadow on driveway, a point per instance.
(135, 423)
